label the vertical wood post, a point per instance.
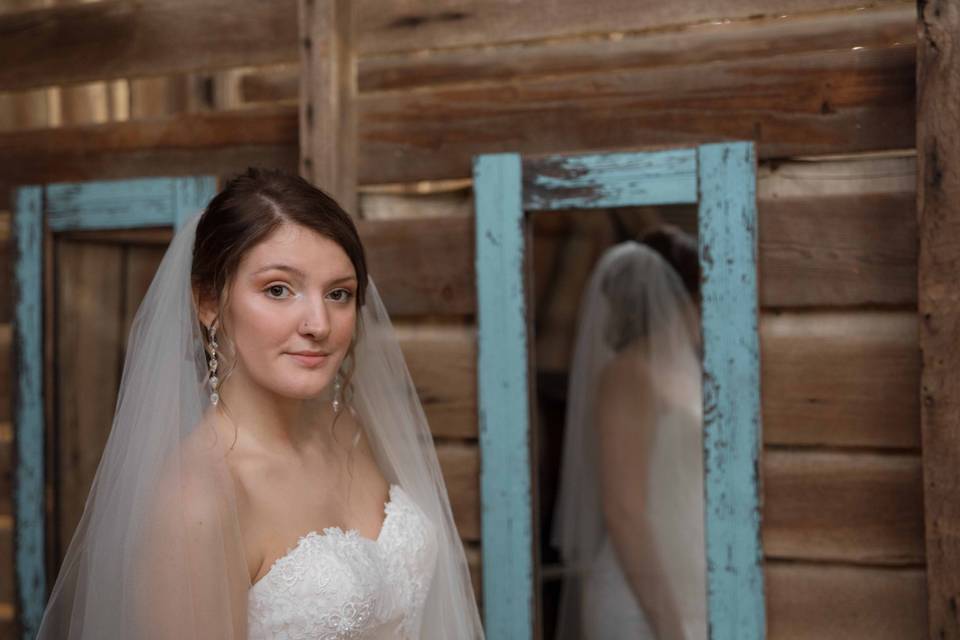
(328, 87)
(938, 210)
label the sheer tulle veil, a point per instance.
(636, 322)
(159, 552)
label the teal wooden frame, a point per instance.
(721, 179)
(119, 204)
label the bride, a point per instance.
(629, 519)
(269, 471)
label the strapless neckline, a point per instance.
(332, 532)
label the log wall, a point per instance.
(95, 91)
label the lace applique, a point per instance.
(339, 585)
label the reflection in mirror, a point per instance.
(619, 424)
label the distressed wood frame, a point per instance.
(721, 179)
(40, 211)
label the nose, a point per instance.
(316, 320)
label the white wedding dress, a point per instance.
(675, 490)
(341, 585)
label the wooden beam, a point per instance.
(120, 38)
(938, 207)
(328, 88)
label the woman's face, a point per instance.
(292, 311)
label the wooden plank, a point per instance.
(829, 602)
(7, 576)
(842, 250)
(442, 359)
(6, 475)
(841, 378)
(404, 255)
(507, 500)
(862, 508)
(405, 25)
(28, 371)
(834, 101)
(731, 389)
(114, 39)
(88, 324)
(597, 181)
(328, 124)
(460, 465)
(938, 206)
(700, 40)
(140, 264)
(864, 101)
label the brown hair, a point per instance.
(250, 207)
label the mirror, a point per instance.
(618, 422)
(657, 379)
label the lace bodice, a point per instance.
(340, 585)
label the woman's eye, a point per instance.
(340, 295)
(275, 290)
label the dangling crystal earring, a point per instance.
(213, 364)
(336, 394)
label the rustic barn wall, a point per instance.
(95, 91)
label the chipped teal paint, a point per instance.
(507, 548)
(115, 204)
(126, 204)
(731, 391)
(611, 180)
(28, 405)
(722, 178)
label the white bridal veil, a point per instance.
(638, 336)
(158, 552)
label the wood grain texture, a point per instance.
(118, 38)
(442, 359)
(838, 250)
(830, 602)
(328, 88)
(861, 508)
(88, 329)
(405, 25)
(841, 378)
(834, 101)
(404, 261)
(700, 40)
(938, 206)
(460, 464)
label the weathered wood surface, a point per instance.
(328, 86)
(88, 347)
(844, 250)
(424, 266)
(938, 206)
(113, 39)
(841, 378)
(442, 359)
(404, 25)
(833, 602)
(460, 464)
(73, 42)
(833, 101)
(862, 508)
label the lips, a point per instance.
(309, 358)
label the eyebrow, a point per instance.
(298, 272)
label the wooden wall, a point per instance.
(825, 88)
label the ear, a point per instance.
(206, 309)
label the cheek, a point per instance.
(258, 326)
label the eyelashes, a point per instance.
(341, 296)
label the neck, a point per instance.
(273, 421)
